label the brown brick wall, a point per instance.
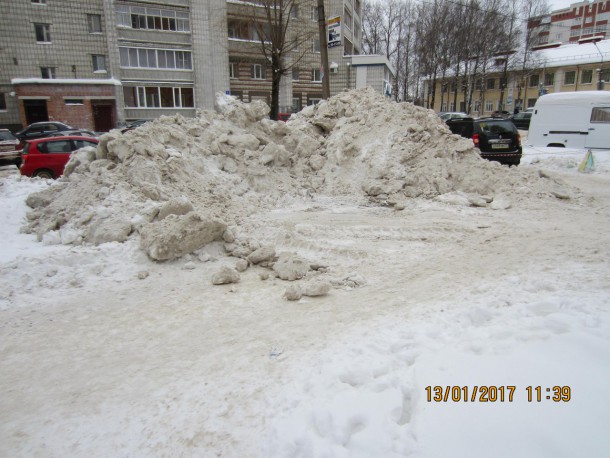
(80, 116)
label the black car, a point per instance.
(522, 120)
(41, 129)
(497, 138)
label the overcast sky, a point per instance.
(558, 4)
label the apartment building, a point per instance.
(571, 67)
(98, 63)
(568, 25)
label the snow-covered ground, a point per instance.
(99, 359)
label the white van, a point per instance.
(571, 120)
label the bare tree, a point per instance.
(284, 35)
(372, 25)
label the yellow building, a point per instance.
(565, 68)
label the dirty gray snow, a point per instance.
(179, 184)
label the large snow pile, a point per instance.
(181, 183)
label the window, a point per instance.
(314, 13)
(99, 63)
(39, 2)
(296, 104)
(489, 105)
(347, 47)
(295, 74)
(232, 70)
(152, 97)
(569, 77)
(167, 97)
(549, 79)
(316, 75)
(294, 11)
(478, 85)
(43, 33)
(477, 106)
(531, 103)
(137, 17)
(534, 80)
(158, 97)
(491, 83)
(349, 21)
(586, 77)
(2, 101)
(258, 72)
(59, 146)
(601, 115)
(155, 58)
(316, 45)
(94, 23)
(187, 99)
(47, 73)
(73, 101)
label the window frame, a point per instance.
(604, 117)
(51, 73)
(42, 30)
(96, 59)
(565, 78)
(582, 76)
(94, 22)
(131, 57)
(258, 72)
(152, 97)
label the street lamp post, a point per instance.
(594, 40)
(600, 83)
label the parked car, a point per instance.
(9, 148)
(522, 119)
(452, 115)
(42, 129)
(75, 133)
(571, 120)
(498, 139)
(47, 157)
(134, 124)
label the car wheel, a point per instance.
(43, 174)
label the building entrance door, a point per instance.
(103, 116)
(35, 111)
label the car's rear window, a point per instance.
(497, 127)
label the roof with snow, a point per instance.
(575, 54)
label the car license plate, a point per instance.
(500, 146)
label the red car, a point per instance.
(47, 157)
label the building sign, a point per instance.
(333, 25)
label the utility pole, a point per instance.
(324, 50)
